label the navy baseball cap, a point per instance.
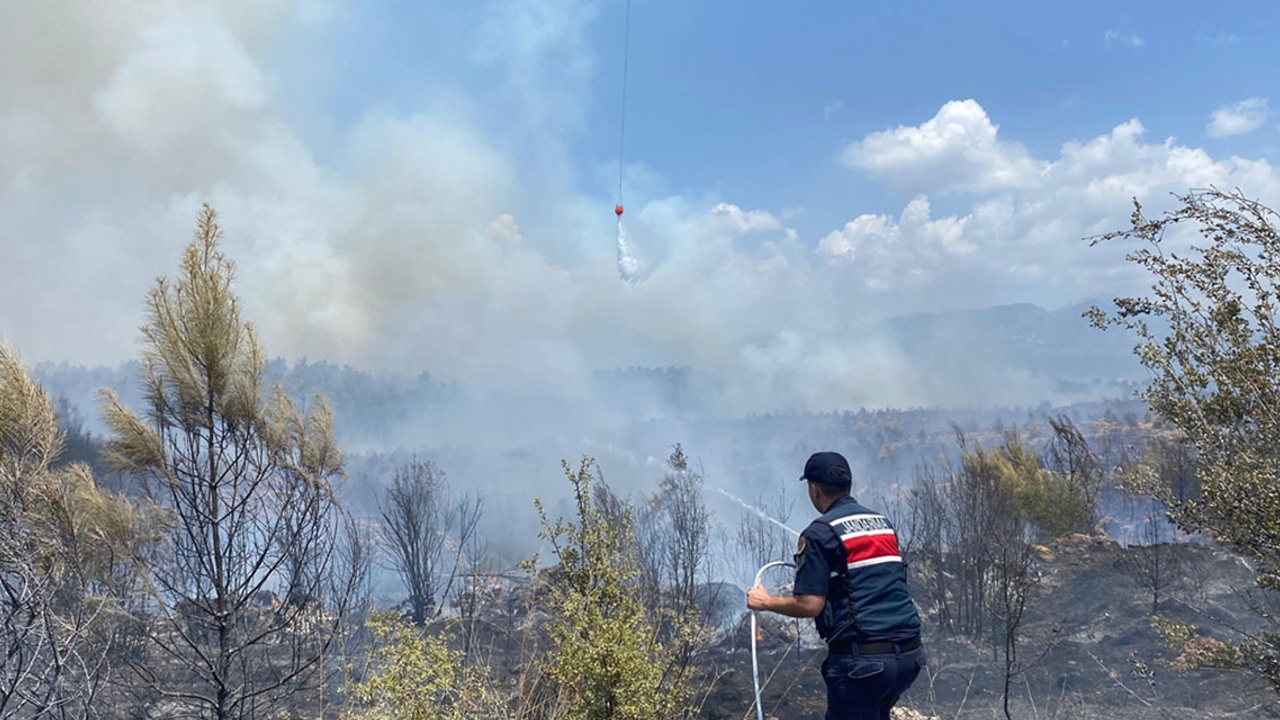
(828, 468)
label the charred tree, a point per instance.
(429, 533)
(245, 596)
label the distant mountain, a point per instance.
(1059, 346)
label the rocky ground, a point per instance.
(1091, 620)
(1089, 624)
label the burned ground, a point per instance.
(1091, 621)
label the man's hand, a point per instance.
(758, 598)
(796, 606)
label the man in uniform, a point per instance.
(850, 580)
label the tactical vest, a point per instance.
(867, 598)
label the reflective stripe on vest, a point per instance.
(868, 539)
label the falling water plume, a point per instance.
(628, 265)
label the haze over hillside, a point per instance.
(1007, 356)
(1008, 364)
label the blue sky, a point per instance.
(419, 186)
(753, 102)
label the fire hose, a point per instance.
(755, 663)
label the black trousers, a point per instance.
(865, 687)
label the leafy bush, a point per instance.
(415, 676)
(1046, 500)
(607, 658)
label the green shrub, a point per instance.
(415, 676)
(607, 659)
(1045, 500)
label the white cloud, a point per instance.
(1239, 118)
(1025, 235)
(1125, 38)
(740, 221)
(909, 250)
(957, 150)
(504, 227)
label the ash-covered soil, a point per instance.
(1090, 620)
(1088, 640)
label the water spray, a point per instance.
(628, 266)
(755, 663)
(763, 515)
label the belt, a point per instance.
(874, 648)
